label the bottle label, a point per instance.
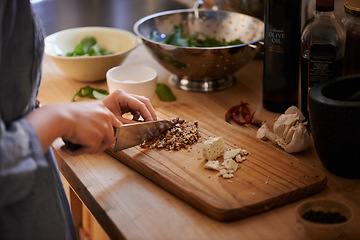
(322, 59)
(276, 39)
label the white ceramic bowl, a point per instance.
(89, 68)
(134, 79)
(324, 231)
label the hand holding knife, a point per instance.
(133, 134)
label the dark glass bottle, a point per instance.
(352, 47)
(310, 9)
(281, 59)
(322, 49)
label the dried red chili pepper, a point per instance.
(235, 117)
(228, 114)
(233, 113)
(245, 112)
(246, 115)
(256, 122)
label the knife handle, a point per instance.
(71, 146)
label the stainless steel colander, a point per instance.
(202, 69)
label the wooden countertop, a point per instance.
(128, 205)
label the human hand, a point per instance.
(91, 127)
(120, 103)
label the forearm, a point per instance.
(88, 124)
(49, 122)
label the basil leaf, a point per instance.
(88, 42)
(79, 50)
(88, 47)
(164, 93)
(99, 94)
(105, 51)
(90, 92)
(179, 38)
(94, 50)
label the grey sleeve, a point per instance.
(21, 48)
(20, 157)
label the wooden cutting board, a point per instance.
(269, 178)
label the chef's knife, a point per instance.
(133, 134)
(130, 135)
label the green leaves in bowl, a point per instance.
(88, 47)
(179, 38)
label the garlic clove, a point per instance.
(300, 140)
(295, 110)
(264, 133)
(283, 123)
(288, 131)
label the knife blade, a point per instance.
(133, 134)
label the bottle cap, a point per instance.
(325, 5)
(352, 7)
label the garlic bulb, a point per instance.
(289, 131)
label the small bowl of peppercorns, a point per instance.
(324, 218)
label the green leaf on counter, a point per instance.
(100, 94)
(164, 93)
(90, 93)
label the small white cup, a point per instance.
(134, 79)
